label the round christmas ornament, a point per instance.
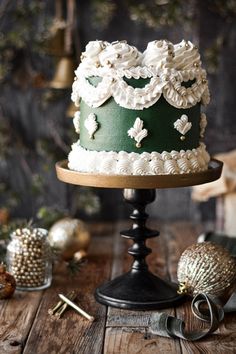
(207, 268)
(68, 236)
(7, 283)
(207, 272)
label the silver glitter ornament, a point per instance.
(206, 268)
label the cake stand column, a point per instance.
(139, 288)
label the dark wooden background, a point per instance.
(24, 109)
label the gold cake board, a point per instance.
(138, 182)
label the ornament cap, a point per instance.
(182, 288)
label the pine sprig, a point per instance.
(74, 266)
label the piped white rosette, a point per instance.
(167, 66)
(159, 54)
(124, 163)
(186, 56)
(120, 55)
(90, 57)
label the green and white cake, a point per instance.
(140, 113)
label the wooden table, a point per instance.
(26, 327)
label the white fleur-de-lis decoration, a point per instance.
(137, 132)
(91, 124)
(182, 125)
(76, 121)
(203, 124)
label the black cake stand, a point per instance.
(138, 289)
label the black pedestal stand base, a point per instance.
(139, 289)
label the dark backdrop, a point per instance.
(27, 170)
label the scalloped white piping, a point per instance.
(167, 82)
(124, 163)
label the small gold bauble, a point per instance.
(206, 268)
(7, 283)
(108, 63)
(68, 236)
(182, 137)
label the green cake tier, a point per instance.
(114, 122)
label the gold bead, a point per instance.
(138, 145)
(196, 65)
(182, 137)
(186, 45)
(97, 64)
(108, 63)
(204, 81)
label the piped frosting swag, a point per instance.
(167, 65)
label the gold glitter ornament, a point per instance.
(68, 236)
(206, 268)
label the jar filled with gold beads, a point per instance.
(29, 259)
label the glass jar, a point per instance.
(29, 259)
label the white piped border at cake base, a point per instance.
(124, 163)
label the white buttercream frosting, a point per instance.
(137, 132)
(124, 163)
(159, 54)
(168, 66)
(203, 124)
(182, 125)
(139, 98)
(91, 124)
(90, 56)
(119, 54)
(186, 56)
(76, 122)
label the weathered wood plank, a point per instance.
(72, 333)
(128, 340)
(16, 317)
(127, 330)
